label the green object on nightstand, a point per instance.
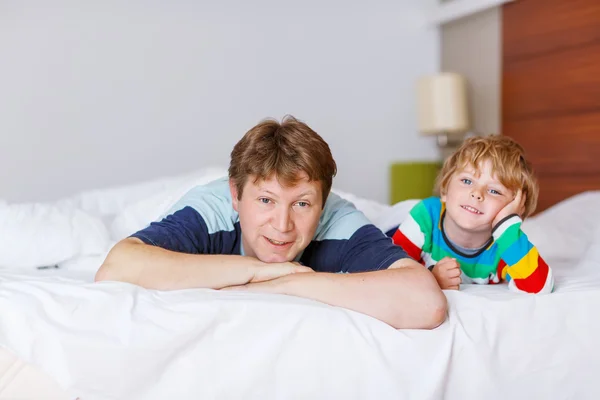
(412, 180)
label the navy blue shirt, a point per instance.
(203, 221)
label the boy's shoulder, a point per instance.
(431, 204)
(427, 211)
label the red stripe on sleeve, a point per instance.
(535, 282)
(411, 249)
(501, 266)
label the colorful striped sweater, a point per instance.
(508, 256)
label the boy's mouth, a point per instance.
(472, 209)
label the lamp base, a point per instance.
(450, 140)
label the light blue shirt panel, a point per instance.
(213, 202)
(339, 221)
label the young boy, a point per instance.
(472, 234)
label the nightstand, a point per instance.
(412, 180)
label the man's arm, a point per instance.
(153, 267)
(405, 296)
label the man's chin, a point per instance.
(275, 258)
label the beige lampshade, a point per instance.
(442, 104)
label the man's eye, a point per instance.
(264, 200)
(302, 204)
(466, 181)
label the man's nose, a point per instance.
(282, 220)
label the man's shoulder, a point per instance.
(212, 201)
(340, 219)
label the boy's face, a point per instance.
(277, 222)
(474, 198)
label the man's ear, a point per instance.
(234, 194)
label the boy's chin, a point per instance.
(477, 228)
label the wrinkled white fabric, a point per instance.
(119, 341)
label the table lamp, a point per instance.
(442, 107)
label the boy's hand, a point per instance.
(447, 273)
(516, 206)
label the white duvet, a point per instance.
(118, 341)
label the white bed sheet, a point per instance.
(118, 341)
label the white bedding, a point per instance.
(118, 341)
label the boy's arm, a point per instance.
(520, 264)
(405, 295)
(414, 234)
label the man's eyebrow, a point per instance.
(263, 190)
(308, 193)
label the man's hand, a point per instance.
(516, 206)
(447, 273)
(267, 272)
(270, 286)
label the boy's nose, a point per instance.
(476, 195)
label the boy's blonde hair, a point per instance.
(508, 164)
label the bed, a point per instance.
(63, 336)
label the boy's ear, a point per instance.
(443, 196)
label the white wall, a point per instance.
(472, 46)
(98, 93)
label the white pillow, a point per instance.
(39, 235)
(111, 201)
(393, 217)
(592, 255)
(371, 208)
(564, 231)
(138, 215)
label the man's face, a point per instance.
(277, 222)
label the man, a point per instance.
(274, 227)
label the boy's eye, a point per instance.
(494, 191)
(466, 181)
(264, 200)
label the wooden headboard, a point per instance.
(551, 91)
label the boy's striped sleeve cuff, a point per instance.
(504, 224)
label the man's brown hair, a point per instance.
(508, 163)
(286, 150)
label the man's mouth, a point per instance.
(277, 242)
(472, 209)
